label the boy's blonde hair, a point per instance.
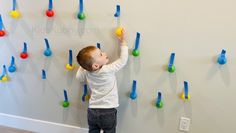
(85, 59)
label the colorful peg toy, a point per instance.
(136, 48)
(119, 31)
(66, 103)
(44, 74)
(12, 67)
(99, 45)
(133, 93)
(85, 96)
(47, 51)
(4, 77)
(70, 66)
(171, 67)
(49, 12)
(117, 14)
(185, 94)
(222, 58)
(14, 13)
(2, 29)
(81, 14)
(159, 102)
(24, 53)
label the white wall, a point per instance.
(196, 31)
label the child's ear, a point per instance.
(95, 66)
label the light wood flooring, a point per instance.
(4, 129)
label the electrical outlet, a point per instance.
(184, 124)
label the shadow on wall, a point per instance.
(223, 69)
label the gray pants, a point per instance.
(102, 119)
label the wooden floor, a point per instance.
(4, 129)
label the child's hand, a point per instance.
(122, 36)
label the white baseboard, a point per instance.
(38, 126)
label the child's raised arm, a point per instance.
(121, 62)
(80, 75)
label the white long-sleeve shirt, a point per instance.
(102, 83)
